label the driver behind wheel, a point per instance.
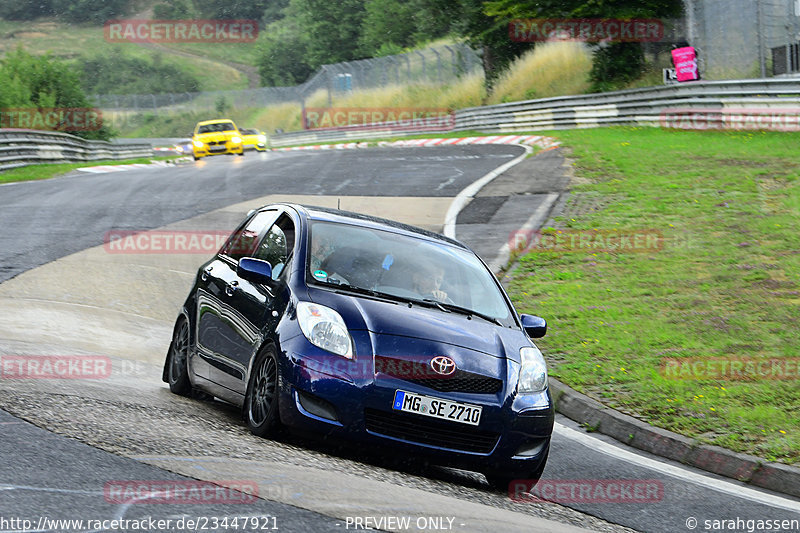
(427, 281)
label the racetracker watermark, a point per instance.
(586, 491)
(180, 492)
(591, 241)
(52, 118)
(409, 367)
(586, 30)
(732, 369)
(398, 118)
(55, 367)
(164, 242)
(180, 31)
(775, 119)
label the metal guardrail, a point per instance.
(19, 148)
(634, 107)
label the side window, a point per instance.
(243, 242)
(277, 245)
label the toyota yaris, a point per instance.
(355, 327)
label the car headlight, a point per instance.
(198, 144)
(325, 328)
(533, 373)
(236, 140)
(262, 139)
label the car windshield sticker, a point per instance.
(387, 261)
(320, 275)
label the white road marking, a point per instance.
(736, 490)
(464, 197)
(536, 219)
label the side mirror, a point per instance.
(255, 270)
(534, 326)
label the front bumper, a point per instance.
(339, 398)
(219, 148)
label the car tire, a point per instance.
(177, 360)
(501, 482)
(261, 400)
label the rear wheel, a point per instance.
(261, 402)
(177, 369)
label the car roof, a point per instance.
(214, 121)
(327, 214)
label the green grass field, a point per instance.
(46, 171)
(71, 41)
(725, 286)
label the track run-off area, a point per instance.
(70, 287)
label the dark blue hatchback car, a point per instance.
(351, 326)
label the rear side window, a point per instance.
(244, 241)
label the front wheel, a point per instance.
(177, 365)
(261, 402)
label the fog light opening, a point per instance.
(530, 449)
(317, 406)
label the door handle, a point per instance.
(206, 271)
(231, 287)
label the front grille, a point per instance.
(422, 430)
(422, 374)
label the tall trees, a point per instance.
(28, 81)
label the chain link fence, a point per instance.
(435, 65)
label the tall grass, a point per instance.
(550, 69)
(467, 91)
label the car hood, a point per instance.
(421, 328)
(215, 136)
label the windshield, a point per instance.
(216, 127)
(403, 267)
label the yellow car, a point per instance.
(215, 137)
(253, 139)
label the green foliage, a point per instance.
(174, 10)
(281, 55)
(43, 82)
(95, 11)
(615, 65)
(221, 105)
(118, 73)
(582, 9)
(25, 9)
(240, 9)
(490, 35)
(330, 30)
(388, 24)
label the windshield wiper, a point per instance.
(448, 308)
(332, 282)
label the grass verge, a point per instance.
(724, 287)
(46, 171)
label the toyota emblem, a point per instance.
(443, 365)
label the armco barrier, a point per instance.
(634, 107)
(19, 148)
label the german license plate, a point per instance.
(437, 408)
